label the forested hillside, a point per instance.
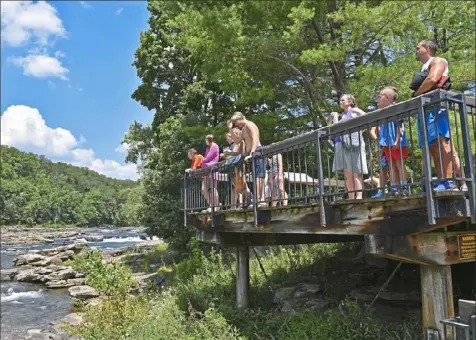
(36, 191)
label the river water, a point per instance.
(31, 306)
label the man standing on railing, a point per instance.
(435, 75)
(251, 137)
(393, 144)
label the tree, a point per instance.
(283, 63)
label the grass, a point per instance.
(198, 301)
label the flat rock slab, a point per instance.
(83, 292)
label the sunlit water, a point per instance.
(31, 306)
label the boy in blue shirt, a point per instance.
(393, 144)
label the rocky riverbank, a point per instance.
(24, 236)
(49, 268)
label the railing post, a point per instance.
(430, 203)
(320, 177)
(468, 159)
(212, 194)
(185, 195)
(255, 198)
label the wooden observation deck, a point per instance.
(414, 224)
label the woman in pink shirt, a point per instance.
(212, 155)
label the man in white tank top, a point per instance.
(438, 73)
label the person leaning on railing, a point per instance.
(434, 74)
(212, 155)
(353, 149)
(196, 159)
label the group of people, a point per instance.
(392, 144)
(350, 150)
(242, 137)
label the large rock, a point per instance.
(64, 283)
(83, 292)
(28, 258)
(93, 238)
(68, 273)
(28, 275)
(8, 274)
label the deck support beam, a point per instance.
(242, 277)
(437, 300)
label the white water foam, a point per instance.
(123, 239)
(12, 296)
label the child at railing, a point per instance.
(353, 149)
(393, 145)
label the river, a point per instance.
(27, 306)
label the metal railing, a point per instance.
(343, 161)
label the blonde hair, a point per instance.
(210, 138)
(237, 116)
(350, 98)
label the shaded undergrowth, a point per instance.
(199, 300)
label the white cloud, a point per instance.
(23, 21)
(24, 127)
(41, 66)
(85, 4)
(107, 167)
(119, 11)
(123, 148)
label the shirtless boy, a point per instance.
(250, 135)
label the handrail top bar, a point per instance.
(370, 119)
(412, 104)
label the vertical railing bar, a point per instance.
(412, 150)
(437, 118)
(369, 142)
(329, 166)
(401, 185)
(300, 173)
(321, 182)
(453, 166)
(185, 194)
(255, 200)
(426, 164)
(306, 145)
(469, 169)
(212, 195)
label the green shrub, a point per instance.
(109, 279)
(199, 303)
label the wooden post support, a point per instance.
(242, 277)
(437, 300)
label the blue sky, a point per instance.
(67, 80)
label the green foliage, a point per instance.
(283, 63)
(198, 304)
(110, 279)
(36, 191)
(162, 180)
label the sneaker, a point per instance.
(379, 194)
(439, 187)
(449, 185)
(392, 192)
(463, 187)
(403, 192)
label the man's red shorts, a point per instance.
(396, 155)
